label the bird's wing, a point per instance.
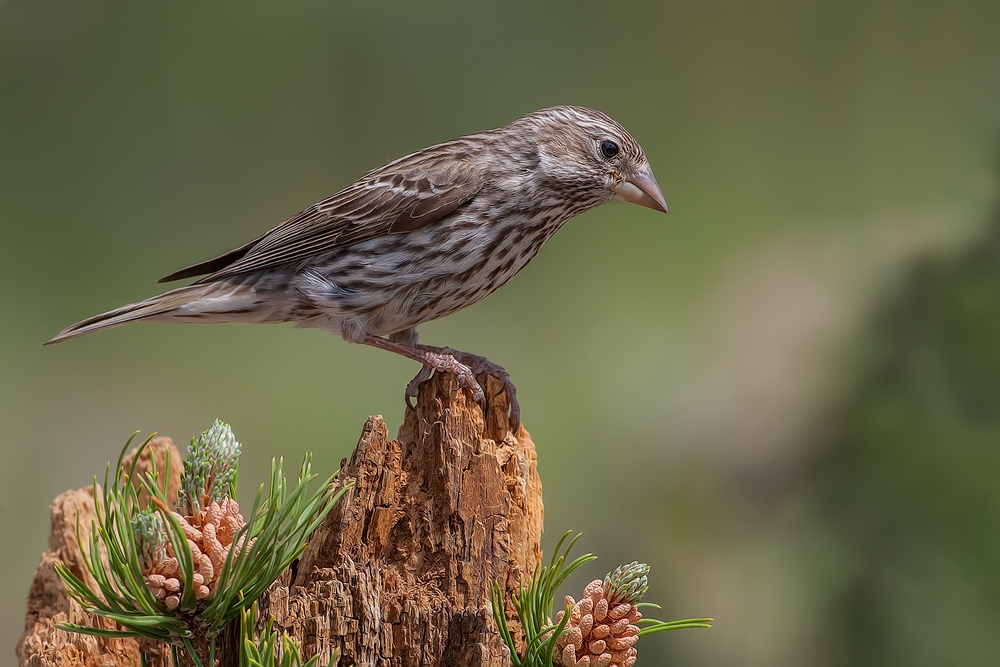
(212, 265)
(386, 201)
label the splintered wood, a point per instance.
(399, 574)
(43, 643)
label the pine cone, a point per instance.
(210, 541)
(208, 515)
(210, 470)
(601, 630)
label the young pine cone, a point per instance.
(209, 540)
(602, 630)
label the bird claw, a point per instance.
(477, 365)
(445, 362)
(413, 388)
(483, 365)
(464, 366)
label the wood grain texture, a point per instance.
(399, 575)
(399, 572)
(43, 643)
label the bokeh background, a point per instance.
(785, 396)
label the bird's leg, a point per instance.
(433, 359)
(477, 365)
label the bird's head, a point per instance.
(591, 157)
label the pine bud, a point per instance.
(150, 540)
(210, 469)
(208, 516)
(628, 583)
(601, 629)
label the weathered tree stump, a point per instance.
(43, 643)
(399, 575)
(399, 572)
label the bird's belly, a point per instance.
(395, 283)
(408, 306)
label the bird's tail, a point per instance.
(193, 303)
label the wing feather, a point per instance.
(214, 264)
(404, 196)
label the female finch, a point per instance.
(417, 239)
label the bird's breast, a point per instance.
(398, 281)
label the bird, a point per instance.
(415, 240)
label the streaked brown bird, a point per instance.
(417, 239)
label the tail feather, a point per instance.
(162, 304)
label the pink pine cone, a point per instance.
(209, 541)
(598, 634)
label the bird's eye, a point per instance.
(609, 149)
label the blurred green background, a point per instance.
(785, 396)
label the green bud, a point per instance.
(150, 540)
(628, 583)
(210, 470)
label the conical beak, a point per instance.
(642, 189)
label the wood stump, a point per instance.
(43, 644)
(399, 575)
(399, 572)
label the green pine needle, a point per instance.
(534, 607)
(265, 651)
(534, 604)
(278, 525)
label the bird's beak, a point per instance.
(642, 189)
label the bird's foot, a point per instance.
(477, 365)
(444, 360)
(462, 365)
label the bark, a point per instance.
(43, 643)
(397, 575)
